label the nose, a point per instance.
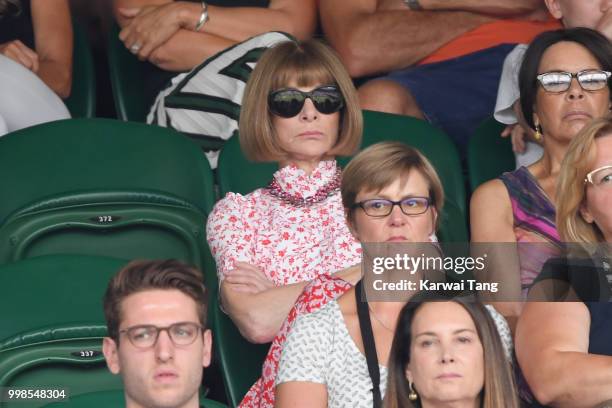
(575, 91)
(397, 217)
(447, 355)
(164, 347)
(309, 112)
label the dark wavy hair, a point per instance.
(598, 45)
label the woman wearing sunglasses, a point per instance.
(300, 109)
(565, 348)
(564, 83)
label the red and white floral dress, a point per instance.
(289, 244)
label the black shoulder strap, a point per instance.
(365, 326)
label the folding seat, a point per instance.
(82, 100)
(53, 324)
(489, 155)
(103, 187)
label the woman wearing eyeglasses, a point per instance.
(564, 83)
(565, 348)
(300, 109)
(391, 194)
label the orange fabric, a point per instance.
(489, 35)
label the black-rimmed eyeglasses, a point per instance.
(145, 336)
(380, 207)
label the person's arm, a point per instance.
(491, 221)
(371, 41)
(300, 394)
(499, 8)
(604, 25)
(259, 314)
(164, 31)
(54, 43)
(552, 343)
(300, 380)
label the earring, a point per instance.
(538, 133)
(412, 396)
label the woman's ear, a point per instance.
(586, 214)
(408, 373)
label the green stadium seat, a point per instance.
(240, 360)
(53, 324)
(489, 155)
(105, 399)
(82, 100)
(103, 187)
(126, 80)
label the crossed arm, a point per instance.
(52, 58)
(552, 347)
(164, 29)
(256, 306)
(375, 36)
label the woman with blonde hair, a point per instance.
(448, 349)
(565, 348)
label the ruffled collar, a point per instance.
(296, 182)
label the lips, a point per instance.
(398, 238)
(577, 114)
(448, 376)
(165, 375)
(311, 133)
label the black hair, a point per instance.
(598, 45)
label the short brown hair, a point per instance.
(571, 189)
(307, 63)
(140, 275)
(379, 165)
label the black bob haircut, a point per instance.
(598, 45)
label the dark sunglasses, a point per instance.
(288, 102)
(589, 80)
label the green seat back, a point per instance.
(53, 290)
(82, 100)
(489, 155)
(126, 79)
(115, 398)
(101, 186)
(442, 154)
(52, 336)
(240, 360)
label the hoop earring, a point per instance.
(412, 396)
(538, 133)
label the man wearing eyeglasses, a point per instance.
(157, 337)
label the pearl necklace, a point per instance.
(274, 189)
